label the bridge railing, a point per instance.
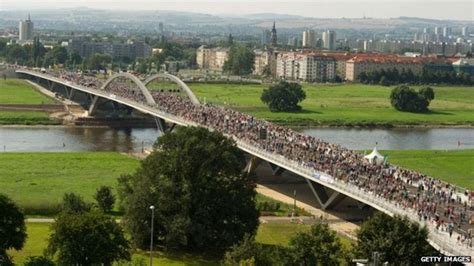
(444, 243)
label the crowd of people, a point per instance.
(433, 200)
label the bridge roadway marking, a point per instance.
(449, 247)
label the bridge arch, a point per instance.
(137, 81)
(176, 80)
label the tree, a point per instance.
(283, 97)
(399, 240)
(73, 203)
(427, 93)
(98, 61)
(89, 238)
(12, 229)
(105, 199)
(319, 246)
(240, 61)
(260, 254)
(202, 199)
(38, 261)
(403, 98)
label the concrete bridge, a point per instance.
(327, 190)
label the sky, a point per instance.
(446, 9)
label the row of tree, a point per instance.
(397, 240)
(389, 77)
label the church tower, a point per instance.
(274, 35)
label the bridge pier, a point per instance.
(93, 105)
(321, 194)
(276, 170)
(252, 164)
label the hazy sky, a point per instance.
(447, 9)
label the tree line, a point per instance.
(393, 76)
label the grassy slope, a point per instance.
(456, 167)
(37, 180)
(347, 104)
(15, 91)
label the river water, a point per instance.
(127, 140)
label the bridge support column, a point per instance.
(276, 170)
(93, 106)
(252, 164)
(321, 194)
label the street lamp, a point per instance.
(152, 208)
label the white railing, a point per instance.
(441, 240)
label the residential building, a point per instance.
(306, 67)
(261, 61)
(465, 31)
(446, 32)
(130, 49)
(211, 58)
(464, 65)
(26, 29)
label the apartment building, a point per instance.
(305, 67)
(211, 58)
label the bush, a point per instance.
(73, 203)
(105, 199)
(283, 97)
(38, 261)
(403, 98)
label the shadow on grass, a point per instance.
(431, 112)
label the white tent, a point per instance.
(375, 156)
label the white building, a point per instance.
(25, 29)
(261, 61)
(305, 67)
(211, 58)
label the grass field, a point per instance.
(456, 167)
(271, 234)
(26, 118)
(37, 181)
(345, 104)
(16, 91)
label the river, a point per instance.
(126, 140)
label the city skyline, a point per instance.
(447, 10)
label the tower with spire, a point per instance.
(274, 35)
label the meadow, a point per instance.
(16, 91)
(38, 181)
(345, 105)
(456, 167)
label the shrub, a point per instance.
(105, 199)
(403, 98)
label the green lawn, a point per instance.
(37, 181)
(345, 104)
(26, 118)
(16, 91)
(272, 234)
(455, 167)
